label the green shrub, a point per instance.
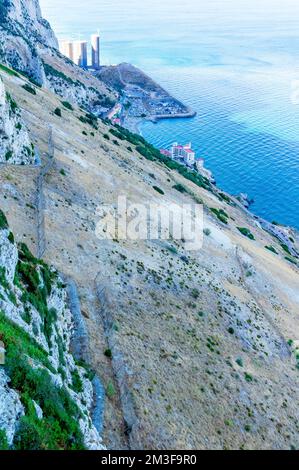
(67, 105)
(11, 238)
(246, 232)
(290, 259)
(108, 353)
(220, 214)
(195, 293)
(29, 88)
(285, 248)
(58, 112)
(3, 221)
(8, 70)
(77, 384)
(248, 377)
(159, 190)
(3, 440)
(110, 390)
(224, 197)
(179, 187)
(271, 248)
(8, 155)
(59, 427)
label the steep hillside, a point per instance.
(196, 349)
(45, 398)
(15, 144)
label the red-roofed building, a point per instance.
(183, 152)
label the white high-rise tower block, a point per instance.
(80, 53)
(66, 48)
(95, 51)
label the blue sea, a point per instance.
(235, 62)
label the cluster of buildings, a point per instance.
(182, 153)
(186, 156)
(77, 52)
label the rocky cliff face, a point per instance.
(22, 32)
(41, 387)
(28, 44)
(15, 145)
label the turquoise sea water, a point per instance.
(234, 63)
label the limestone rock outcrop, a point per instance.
(34, 311)
(15, 144)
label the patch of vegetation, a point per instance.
(58, 429)
(239, 362)
(248, 377)
(8, 155)
(159, 190)
(117, 134)
(181, 188)
(220, 214)
(290, 260)
(271, 248)
(195, 293)
(3, 221)
(90, 119)
(67, 105)
(246, 232)
(77, 384)
(89, 372)
(108, 353)
(6, 69)
(35, 279)
(224, 197)
(57, 112)
(3, 440)
(51, 71)
(285, 248)
(110, 390)
(29, 89)
(11, 237)
(13, 107)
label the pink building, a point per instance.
(165, 152)
(183, 152)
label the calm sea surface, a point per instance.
(235, 64)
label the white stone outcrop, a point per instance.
(11, 408)
(22, 31)
(57, 347)
(15, 145)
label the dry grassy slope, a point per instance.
(189, 391)
(75, 73)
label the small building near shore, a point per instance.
(183, 152)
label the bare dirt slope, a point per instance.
(208, 337)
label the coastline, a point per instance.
(278, 231)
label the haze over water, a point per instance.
(233, 63)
